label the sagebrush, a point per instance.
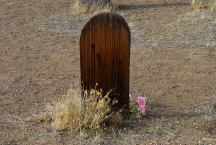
(92, 111)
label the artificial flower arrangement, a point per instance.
(138, 108)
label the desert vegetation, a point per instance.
(203, 4)
(87, 113)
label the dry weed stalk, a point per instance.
(89, 113)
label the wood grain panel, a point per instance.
(105, 56)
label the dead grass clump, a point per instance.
(157, 131)
(91, 112)
(203, 4)
(79, 8)
(211, 110)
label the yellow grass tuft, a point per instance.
(91, 112)
(78, 8)
(213, 5)
(203, 4)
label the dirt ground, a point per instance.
(173, 63)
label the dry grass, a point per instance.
(91, 112)
(211, 110)
(79, 8)
(203, 4)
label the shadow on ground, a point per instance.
(149, 6)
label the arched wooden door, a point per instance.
(105, 56)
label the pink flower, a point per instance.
(141, 105)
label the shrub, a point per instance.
(203, 4)
(91, 112)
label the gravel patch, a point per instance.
(71, 24)
(192, 28)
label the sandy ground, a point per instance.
(173, 63)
